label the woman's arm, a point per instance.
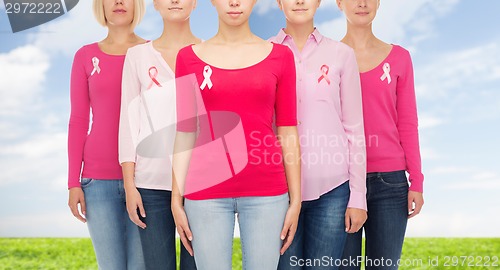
(77, 133)
(352, 121)
(406, 106)
(128, 134)
(184, 142)
(289, 140)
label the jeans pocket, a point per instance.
(394, 179)
(85, 182)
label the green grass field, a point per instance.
(418, 253)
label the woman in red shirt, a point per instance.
(244, 82)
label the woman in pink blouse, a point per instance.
(147, 133)
(330, 116)
(391, 131)
(96, 192)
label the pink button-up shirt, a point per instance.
(330, 115)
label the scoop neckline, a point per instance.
(234, 69)
(107, 54)
(382, 62)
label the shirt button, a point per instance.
(300, 122)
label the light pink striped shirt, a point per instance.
(330, 116)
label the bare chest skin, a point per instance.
(233, 56)
(169, 55)
(118, 49)
(369, 58)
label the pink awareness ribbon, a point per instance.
(324, 73)
(387, 73)
(95, 63)
(207, 73)
(153, 72)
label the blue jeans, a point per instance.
(115, 238)
(261, 221)
(387, 198)
(158, 239)
(321, 232)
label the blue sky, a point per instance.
(455, 45)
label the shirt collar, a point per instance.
(282, 36)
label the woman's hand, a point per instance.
(354, 219)
(134, 202)
(76, 197)
(290, 226)
(415, 203)
(181, 222)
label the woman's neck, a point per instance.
(176, 35)
(120, 36)
(234, 34)
(299, 32)
(360, 37)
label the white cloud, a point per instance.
(264, 6)
(449, 73)
(450, 223)
(430, 154)
(42, 156)
(23, 74)
(395, 18)
(479, 181)
(426, 121)
(334, 29)
(68, 34)
(49, 224)
(451, 170)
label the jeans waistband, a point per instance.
(379, 174)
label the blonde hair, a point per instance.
(139, 11)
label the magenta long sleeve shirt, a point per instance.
(390, 117)
(95, 90)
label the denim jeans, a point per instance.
(321, 235)
(158, 239)
(387, 198)
(115, 238)
(261, 221)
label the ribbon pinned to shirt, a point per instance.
(153, 72)
(207, 73)
(95, 63)
(387, 73)
(324, 72)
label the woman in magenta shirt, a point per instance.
(244, 83)
(332, 140)
(391, 131)
(97, 188)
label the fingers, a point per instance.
(287, 235)
(76, 213)
(356, 225)
(186, 238)
(73, 206)
(347, 223)
(132, 214)
(415, 204)
(416, 210)
(83, 206)
(141, 210)
(410, 206)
